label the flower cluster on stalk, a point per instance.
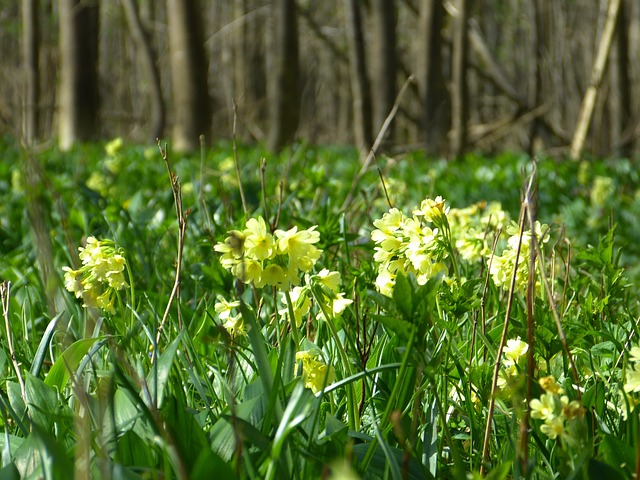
(416, 244)
(513, 355)
(502, 266)
(560, 416)
(101, 274)
(256, 256)
(316, 374)
(324, 289)
(630, 393)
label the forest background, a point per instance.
(522, 75)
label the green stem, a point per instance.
(354, 420)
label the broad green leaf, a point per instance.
(42, 402)
(68, 362)
(618, 454)
(209, 465)
(403, 296)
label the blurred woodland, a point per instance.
(555, 76)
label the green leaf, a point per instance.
(43, 346)
(599, 470)
(210, 465)
(68, 362)
(42, 402)
(9, 472)
(617, 454)
(397, 326)
(403, 296)
(159, 375)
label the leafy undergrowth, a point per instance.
(184, 327)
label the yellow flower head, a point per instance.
(315, 373)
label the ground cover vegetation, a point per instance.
(248, 316)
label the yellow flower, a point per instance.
(514, 350)
(329, 279)
(550, 385)
(634, 354)
(259, 243)
(235, 326)
(224, 308)
(73, 281)
(553, 427)
(545, 407)
(431, 209)
(300, 301)
(273, 275)
(298, 245)
(632, 380)
(316, 374)
(114, 146)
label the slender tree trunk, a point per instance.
(284, 74)
(30, 54)
(78, 89)
(459, 87)
(435, 109)
(383, 61)
(621, 100)
(360, 89)
(597, 73)
(536, 95)
(147, 57)
(189, 75)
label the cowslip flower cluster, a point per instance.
(555, 410)
(316, 374)
(629, 397)
(254, 255)
(416, 244)
(513, 355)
(472, 227)
(228, 313)
(502, 266)
(101, 274)
(324, 288)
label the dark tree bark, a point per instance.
(78, 88)
(147, 57)
(621, 100)
(30, 57)
(189, 75)
(435, 108)
(284, 74)
(383, 60)
(459, 87)
(360, 88)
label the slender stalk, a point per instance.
(5, 298)
(182, 226)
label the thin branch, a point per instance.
(182, 226)
(235, 158)
(5, 298)
(376, 144)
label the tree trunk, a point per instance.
(360, 89)
(435, 110)
(189, 74)
(78, 89)
(384, 64)
(459, 88)
(540, 47)
(284, 74)
(147, 57)
(30, 52)
(621, 100)
(599, 67)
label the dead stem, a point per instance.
(182, 226)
